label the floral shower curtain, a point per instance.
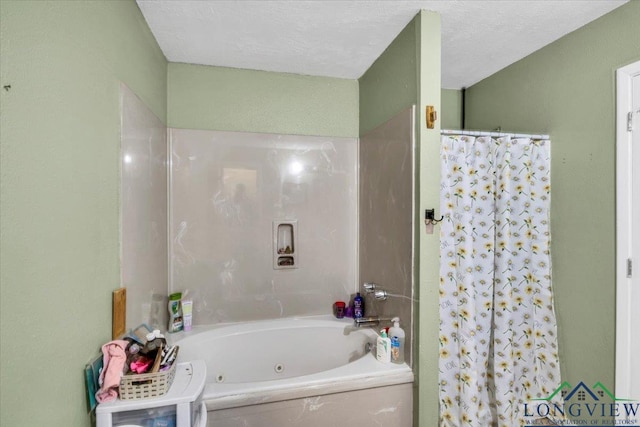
(498, 345)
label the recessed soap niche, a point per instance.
(285, 244)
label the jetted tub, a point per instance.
(291, 359)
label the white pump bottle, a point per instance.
(397, 341)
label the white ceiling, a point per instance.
(342, 38)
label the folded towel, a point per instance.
(114, 357)
(142, 365)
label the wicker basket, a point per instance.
(143, 386)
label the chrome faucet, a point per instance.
(360, 322)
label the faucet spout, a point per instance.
(366, 321)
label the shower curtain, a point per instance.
(498, 345)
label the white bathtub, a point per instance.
(280, 360)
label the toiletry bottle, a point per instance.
(187, 313)
(358, 306)
(397, 341)
(175, 312)
(383, 348)
(338, 309)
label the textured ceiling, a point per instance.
(340, 38)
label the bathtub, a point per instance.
(291, 368)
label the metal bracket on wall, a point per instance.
(430, 217)
(432, 116)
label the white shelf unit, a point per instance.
(182, 406)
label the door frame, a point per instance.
(623, 226)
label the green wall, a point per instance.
(451, 115)
(390, 85)
(428, 253)
(218, 98)
(59, 198)
(567, 89)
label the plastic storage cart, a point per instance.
(181, 406)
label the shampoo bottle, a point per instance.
(397, 341)
(358, 306)
(383, 348)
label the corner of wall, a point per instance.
(428, 195)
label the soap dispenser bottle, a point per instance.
(383, 348)
(397, 341)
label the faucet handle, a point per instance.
(380, 294)
(369, 287)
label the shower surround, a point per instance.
(226, 191)
(349, 204)
(387, 170)
(144, 212)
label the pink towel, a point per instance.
(114, 357)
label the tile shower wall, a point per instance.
(227, 189)
(144, 212)
(386, 218)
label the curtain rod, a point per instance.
(494, 134)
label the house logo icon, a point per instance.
(581, 392)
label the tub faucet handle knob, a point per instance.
(380, 294)
(369, 287)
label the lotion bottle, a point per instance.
(397, 341)
(383, 348)
(187, 313)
